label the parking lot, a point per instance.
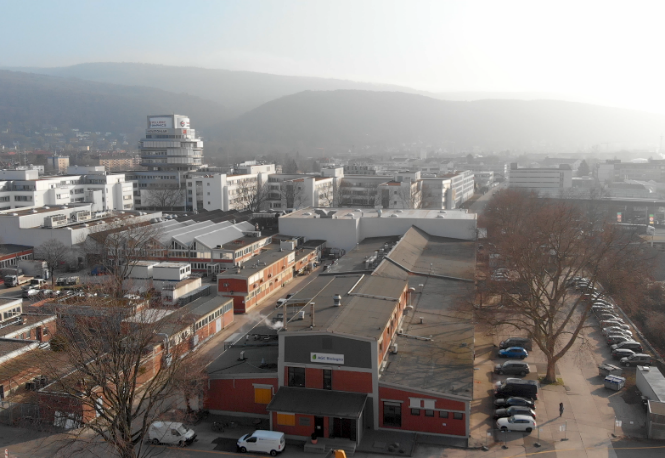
(591, 412)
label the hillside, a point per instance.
(30, 99)
(238, 91)
(347, 118)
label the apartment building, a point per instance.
(58, 164)
(543, 181)
(297, 191)
(25, 188)
(119, 163)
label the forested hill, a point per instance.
(30, 99)
(346, 118)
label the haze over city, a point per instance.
(594, 51)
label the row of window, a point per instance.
(212, 317)
(392, 413)
(11, 313)
(297, 378)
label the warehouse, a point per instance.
(354, 351)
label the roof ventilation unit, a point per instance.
(393, 349)
(337, 300)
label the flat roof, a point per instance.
(327, 403)
(8, 346)
(357, 213)
(24, 211)
(10, 248)
(354, 260)
(242, 242)
(167, 264)
(255, 264)
(436, 355)
(259, 350)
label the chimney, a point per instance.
(311, 305)
(337, 300)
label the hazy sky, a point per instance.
(607, 51)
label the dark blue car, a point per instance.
(513, 352)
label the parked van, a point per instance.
(170, 433)
(517, 387)
(638, 359)
(523, 342)
(272, 442)
(630, 345)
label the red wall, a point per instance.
(296, 430)
(237, 395)
(209, 329)
(422, 423)
(356, 382)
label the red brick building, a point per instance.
(352, 351)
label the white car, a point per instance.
(516, 423)
(620, 329)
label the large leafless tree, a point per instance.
(129, 373)
(541, 245)
(119, 249)
(54, 252)
(410, 196)
(166, 198)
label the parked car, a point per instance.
(631, 345)
(516, 387)
(622, 353)
(615, 322)
(513, 352)
(523, 342)
(512, 368)
(616, 330)
(501, 403)
(516, 423)
(638, 359)
(272, 442)
(601, 308)
(618, 338)
(514, 410)
(170, 432)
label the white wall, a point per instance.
(339, 233)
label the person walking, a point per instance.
(560, 409)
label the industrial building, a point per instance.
(362, 347)
(546, 182)
(344, 228)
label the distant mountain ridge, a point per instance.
(346, 118)
(237, 91)
(27, 98)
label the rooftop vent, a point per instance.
(394, 215)
(337, 300)
(440, 216)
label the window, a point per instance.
(458, 416)
(286, 419)
(392, 414)
(415, 412)
(443, 414)
(327, 379)
(262, 395)
(297, 376)
(429, 413)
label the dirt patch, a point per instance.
(631, 395)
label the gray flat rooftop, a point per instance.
(354, 260)
(443, 364)
(255, 264)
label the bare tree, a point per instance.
(256, 201)
(343, 193)
(327, 196)
(123, 375)
(120, 248)
(542, 245)
(293, 193)
(165, 198)
(411, 196)
(54, 252)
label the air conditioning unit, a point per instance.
(393, 349)
(55, 221)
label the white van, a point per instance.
(272, 442)
(171, 433)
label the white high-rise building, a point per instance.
(170, 145)
(170, 150)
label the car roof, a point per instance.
(515, 348)
(522, 417)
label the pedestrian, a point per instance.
(560, 409)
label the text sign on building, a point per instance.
(161, 122)
(328, 358)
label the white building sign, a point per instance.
(326, 358)
(161, 122)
